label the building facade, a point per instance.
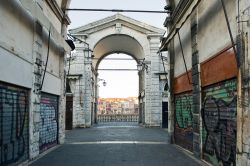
(118, 109)
(118, 105)
(208, 49)
(118, 34)
(32, 77)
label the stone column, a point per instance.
(77, 68)
(35, 95)
(243, 111)
(196, 87)
(153, 103)
(87, 88)
(171, 103)
(62, 99)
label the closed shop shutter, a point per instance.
(219, 103)
(14, 125)
(183, 132)
(48, 122)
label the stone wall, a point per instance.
(215, 83)
(243, 120)
(26, 32)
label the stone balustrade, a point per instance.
(118, 118)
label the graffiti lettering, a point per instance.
(183, 111)
(219, 119)
(183, 121)
(48, 123)
(13, 125)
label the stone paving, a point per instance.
(117, 145)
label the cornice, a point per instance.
(180, 9)
(110, 21)
(58, 11)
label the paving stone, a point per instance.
(113, 144)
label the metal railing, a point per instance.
(118, 118)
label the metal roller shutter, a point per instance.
(183, 132)
(49, 122)
(219, 123)
(14, 126)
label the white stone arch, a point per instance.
(131, 47)
(121, 34)
(142, 40)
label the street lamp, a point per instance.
(142, 65)
(139, 67)
(104, 83)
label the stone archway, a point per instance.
(117, 43)
(118, 34)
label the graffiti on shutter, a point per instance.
(219, 123)
(183, 132)
(48, 122)
(14, 127)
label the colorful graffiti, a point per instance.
(13, 125)
(48, 124)
(219, 120)
(183, 121)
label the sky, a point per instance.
(119, 83)
(82, 18)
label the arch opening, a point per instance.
(120, 96)
(117, 43)
(118, 100)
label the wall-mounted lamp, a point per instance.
(168, 6)
(139, 67)
(142, 65)
(163, 77)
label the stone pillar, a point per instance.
(171, 103)
(87, 88)
(77, 68)
(243, 112)
(35, 95)
(153, 103)
(62, 100)
(196, 87)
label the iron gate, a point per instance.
(48, 122)
(14, 126)
(183, 132)
(219, 123)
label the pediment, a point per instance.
(113, 21)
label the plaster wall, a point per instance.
(185, 37)
(52, 17)
(213, 35)
(23, 44)
(11, 24)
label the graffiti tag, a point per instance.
(13, 125)
(219, 119)
(48, 123)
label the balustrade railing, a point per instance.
(118, 118)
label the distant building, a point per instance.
(118, 106)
